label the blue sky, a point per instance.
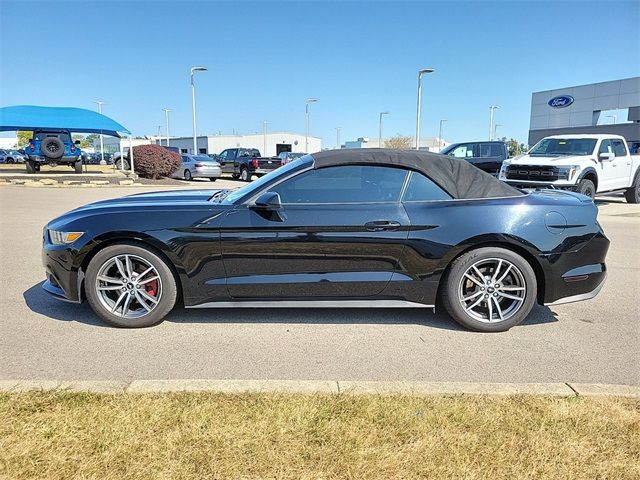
(265, 58)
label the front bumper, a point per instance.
(63, 278)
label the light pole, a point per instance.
(264, 138)
(615, 118)
(492, 108)
(166, 117)
(193, 106)
(101, 137)
(338, 130)
(159, 134)
(440, 134)
(420, 73)
(306, 123)
(380, 128)
(495, 129)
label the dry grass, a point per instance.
(156, 436)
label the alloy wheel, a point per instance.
(492, 290)
(128, 286)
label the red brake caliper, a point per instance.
(152, 287)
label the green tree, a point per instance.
(23, 138)
(85, 142)
(399, 142)
(515, 147)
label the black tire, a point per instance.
(245, 175)
(632, 195)
(169, 289)
(212, 179)
(31, 166)
(52, 147)
(122, 164)
(452, 287)
(10, 160)
(77, 166)
(235, 176)
(586, 187)
(187, 175)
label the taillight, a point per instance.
(255, 163)
(199, 165)
(32, 146)
(73, 148)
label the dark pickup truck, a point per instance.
(487, 156)
(244, 163)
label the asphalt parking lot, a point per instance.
(40, 338)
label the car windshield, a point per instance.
(256, 186)
(564, 146)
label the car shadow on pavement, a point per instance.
(41, 302)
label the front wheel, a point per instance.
(122, 164)
(586, 187)
(129, 286)
(632, 195)
(489, 289)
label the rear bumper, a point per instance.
(264, 171)
(63, 159)
(581, 296)
(215, 172)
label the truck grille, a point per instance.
(536, 173)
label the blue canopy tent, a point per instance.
(77, 120)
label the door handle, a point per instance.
(381, 225)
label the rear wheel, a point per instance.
(187, 175)
(77, 166)
(489, 289)
(122, 164)
(130, 286)
(212, 179)
(632, 195)
(587, 187)
(31, 166)
(245, 176)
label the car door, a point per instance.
(179, 173)
(622, 163)
(488, 157)
(340, 232)
(608, 177)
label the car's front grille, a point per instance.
(538, 173)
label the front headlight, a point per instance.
(63, 238)
(569, 172)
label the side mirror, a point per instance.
(77, 142)
(604, 157)
(268, 201)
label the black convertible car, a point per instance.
(365, 228)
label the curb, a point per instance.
(323, 387)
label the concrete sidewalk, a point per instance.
(322, 386)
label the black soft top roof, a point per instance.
(458, 177)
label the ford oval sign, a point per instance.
(561, 102)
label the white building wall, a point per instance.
(217, 143)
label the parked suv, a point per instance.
(11, 156)
(487, 156)
(53, 147)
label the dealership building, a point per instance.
(269, 144)
(606, 107)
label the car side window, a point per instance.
(619, 149)
(462, 151)
(343, 184)
(423, 189)
(605, 147)
(185, 159)
(490, 150)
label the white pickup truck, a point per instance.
(585, 163)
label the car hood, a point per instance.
(556, 161)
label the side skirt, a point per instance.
(313, 304)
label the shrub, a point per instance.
(154, 161)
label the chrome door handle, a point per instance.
(381, 225)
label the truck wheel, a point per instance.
(31, 167)
(52, 147)
(632, 195)
(77, 166)
(586, 187)
(245, 176)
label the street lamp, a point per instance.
(159, 134)
(338, 130)
(193, 106)
(166, 117)
(495, 129)
(492, 108)
(101, 137)
(264, 138)
(440, 134)
(615, 118)
(420, 73)
(306, 123)
(380, 129)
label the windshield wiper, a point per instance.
(220, 195)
